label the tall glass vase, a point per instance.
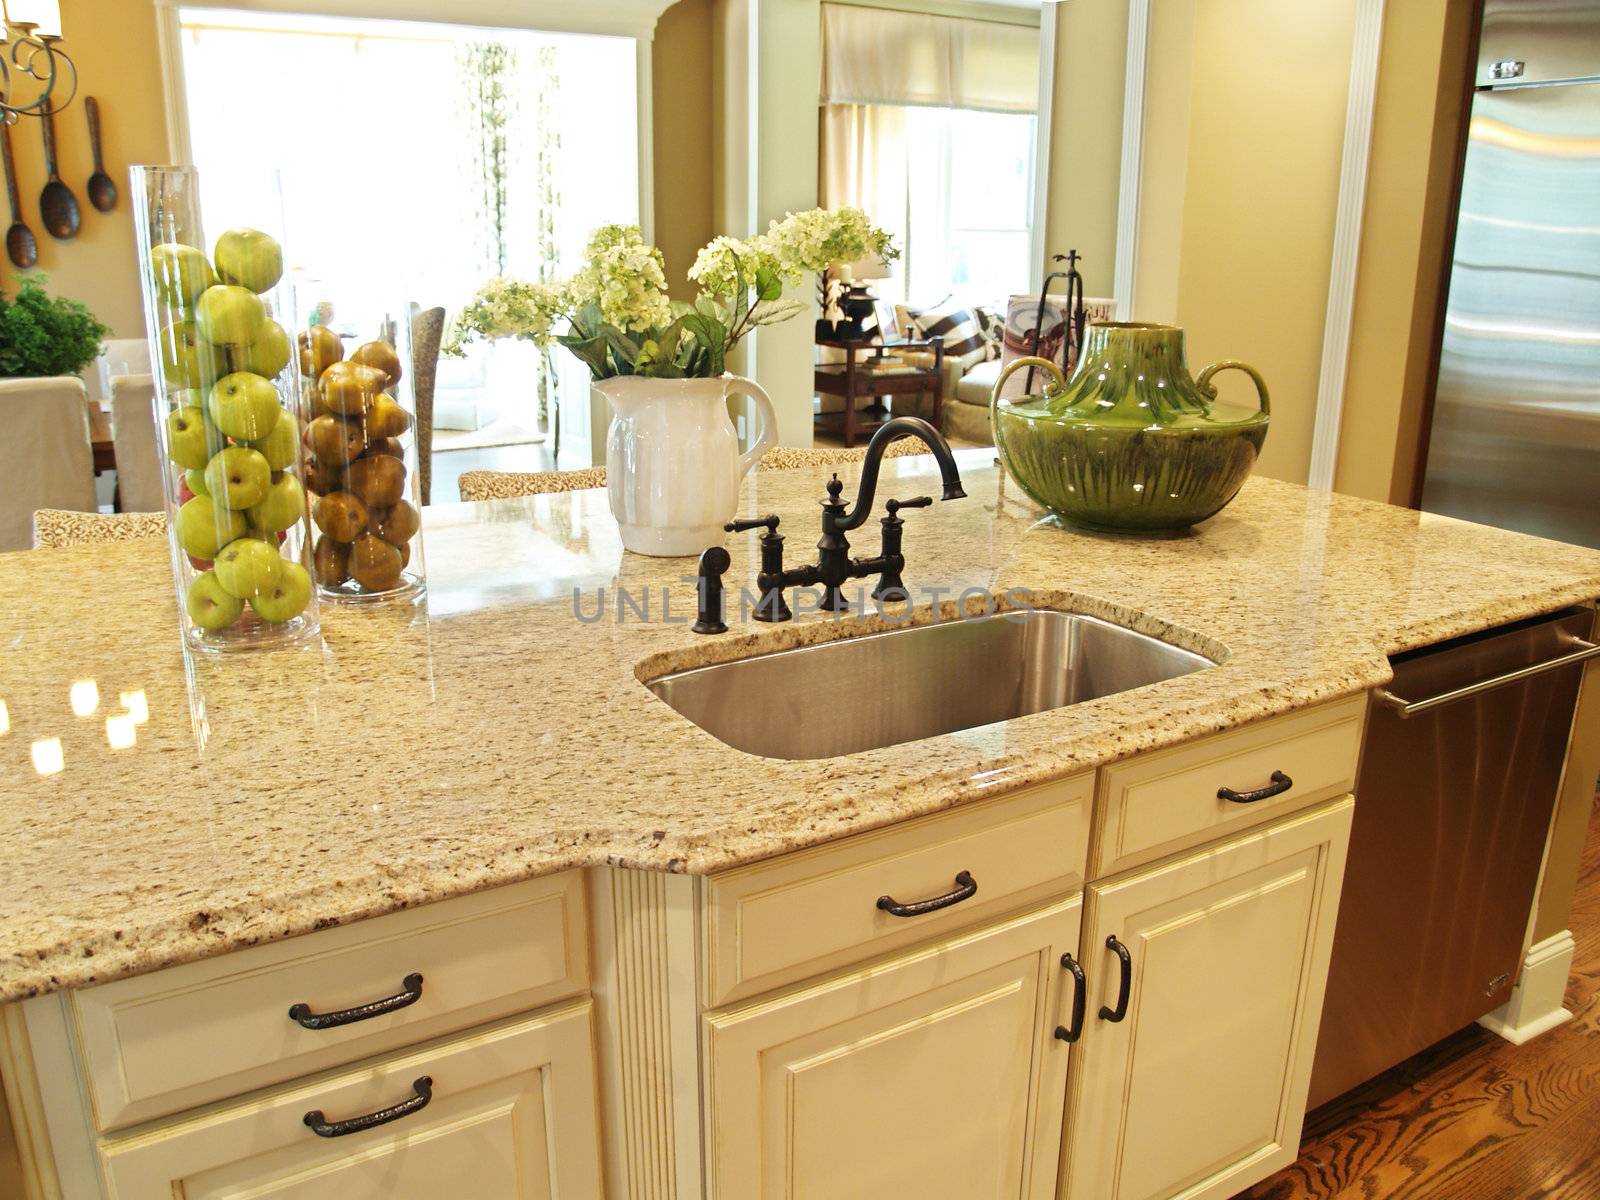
(229, 414)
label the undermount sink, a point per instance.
(899, 685)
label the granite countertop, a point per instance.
(489, 734)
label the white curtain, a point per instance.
(882, 56)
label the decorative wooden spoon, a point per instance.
(102, 188)
(21, 245)
(57, 205)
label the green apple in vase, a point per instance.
(282, 444)
(190, 440)
(288, 597)
(181, 274)
(229, 315)
(249, 258)
(283, 503)
(244, 406)
(210, 605)
(188, 361)
(238, 477)
(205, 527)
(267, 356)
(247, 567)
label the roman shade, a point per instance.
(882, 56)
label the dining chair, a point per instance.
(133, 434)
(55, 527)
(505, 485)
(45, 458)
(120, 356)
(427, 330)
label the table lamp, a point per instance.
(858, 302)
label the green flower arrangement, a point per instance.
(615, 315)
(44, 336)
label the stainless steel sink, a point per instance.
(881, 689)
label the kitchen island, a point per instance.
(500, 735)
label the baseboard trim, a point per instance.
(1536, 1005)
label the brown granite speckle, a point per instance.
(489, 734)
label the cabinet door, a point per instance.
(512, 1113)
(1201, 1088)
(936, 1073)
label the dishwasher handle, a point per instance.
(1404, 708)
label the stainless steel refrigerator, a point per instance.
(1515, 439)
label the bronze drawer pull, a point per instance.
(302, 1015)
(1080, 995)
(422, 1089)
(1280, 784)
(1125, 986)
(966, 889)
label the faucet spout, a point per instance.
(890, 431)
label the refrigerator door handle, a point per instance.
(1404, 708)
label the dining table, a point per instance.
(105, 451)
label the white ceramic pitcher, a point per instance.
(673, 465)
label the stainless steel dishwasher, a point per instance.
(1454, 797)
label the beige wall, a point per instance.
(1259, 180)
(1424, 72)
(1086, 136)
(113, 43)
(684, 146)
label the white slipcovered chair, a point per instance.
(133, 433)
(45, 458)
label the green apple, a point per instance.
(204, 527)
(190, 441)
(287, 598)
(244, 406)
(186, 360)
(248, 567)
(250, 259)
(283, 505)
(238, 477)
(181, 273)
(281, 445)
(267, 355)
(229, 315)
(209, 605)
(195, 477)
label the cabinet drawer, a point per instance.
(801, 915)
(1167, 801)
(159, 1043)
(509, 1111)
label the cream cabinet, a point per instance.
(935, 1073)
(1205, 978)
(504, 1112)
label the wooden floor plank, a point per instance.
(1474, 1117)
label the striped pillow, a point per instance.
(956, 327)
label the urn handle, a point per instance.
(1209, 389)
(1031, 360)
(738, 385)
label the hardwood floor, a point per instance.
(1473, 1118)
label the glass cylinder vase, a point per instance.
(228, 411)
(362, 471)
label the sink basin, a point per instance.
(882, 689)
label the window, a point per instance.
(396, 185)
(969, 202)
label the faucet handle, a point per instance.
(895, 506)
(770, 521)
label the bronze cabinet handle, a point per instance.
(966, 889)
(422, 1092)
(1125, 961)
(1080, 995)
(1280, 784)
(302, 1015)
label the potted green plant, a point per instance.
(672, 461)
(41, 335)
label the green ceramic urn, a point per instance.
(1131, 441)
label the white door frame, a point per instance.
(625, 18)
(1354, 159)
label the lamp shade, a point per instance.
(870, 267)
(43, 15)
